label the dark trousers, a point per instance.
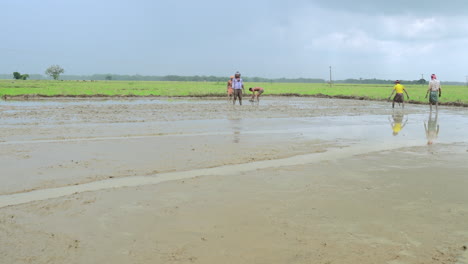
(238, 93)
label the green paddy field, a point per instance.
(457, 95)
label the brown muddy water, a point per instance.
(292, 180)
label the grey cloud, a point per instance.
(260, 38)
(375, 7)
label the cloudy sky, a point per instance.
(399, 39)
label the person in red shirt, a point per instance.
(256, 92)
(230, 91)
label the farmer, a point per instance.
(397, 123)
(238, 86)
(432, 129)
(399, 97)
(230, 91)
(436, 91)
(256, 92)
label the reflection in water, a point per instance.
(397, 122)
(432, 128)
(236, 128)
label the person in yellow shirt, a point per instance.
(399, 97)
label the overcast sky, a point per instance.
(399, 39)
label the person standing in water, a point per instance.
(436, 91)
(399, 97)
(230, 91)
(238, 86)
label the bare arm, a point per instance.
(406, 93)
(393, 91)
(404, 123)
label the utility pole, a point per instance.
(466, 81)
(330, 76)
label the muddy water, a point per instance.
(292, 180)
(48, 144)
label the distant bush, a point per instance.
(19, 76)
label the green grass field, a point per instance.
(454, 94)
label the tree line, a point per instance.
(378, 81)
(56, 73)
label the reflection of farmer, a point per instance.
(432, 129)
(399, 97)
(397, 122)
(236, 127)
(436, 91)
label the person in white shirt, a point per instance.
(238, 86)
(436, 91)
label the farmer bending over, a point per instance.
(399, 97)
(256, 92)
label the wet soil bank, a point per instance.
(351, 97)
(361, 209)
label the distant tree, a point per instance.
(17, 75)
(422, 81)
(54, 71)
(108, 77)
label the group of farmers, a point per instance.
(434, 88)
(235, 87)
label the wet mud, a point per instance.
(292, 180)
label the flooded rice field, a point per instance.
(182, 180)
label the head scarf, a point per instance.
(433, 76)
